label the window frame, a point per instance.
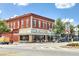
(27, 22)
(18, 23)
(22, 23)
(39, 23)
(34, 23)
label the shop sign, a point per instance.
(39, 31)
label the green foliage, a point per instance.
(3, 27)
(78, 28)
(78, 25)
(73, 44)
(59, 27)
(71, 29)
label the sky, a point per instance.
(65, 11)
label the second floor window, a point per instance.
(46, 25)
(13, 25)
(43, 25)
(8, 25)
(22, 23)
(39, 24)
(52, 25)
(18, 24)
(34, 23)
(27, 22)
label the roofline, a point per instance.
(30, 14)
(43, 17)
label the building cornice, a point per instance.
(30, 14)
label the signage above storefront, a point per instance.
(34, 31)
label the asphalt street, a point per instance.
(33, 50)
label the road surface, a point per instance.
(33, 50)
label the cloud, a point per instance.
(71, 20)
(64, 5)
(14, 16)
(11, 17)
(68, 20)
(0, 11)
(21, 4)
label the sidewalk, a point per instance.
(32, 45)
(42, 46)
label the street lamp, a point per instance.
(67, 29)
(50, 33)
(76, 31)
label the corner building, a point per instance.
(31, 27)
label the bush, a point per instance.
(73, 44)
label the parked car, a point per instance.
(4, 40)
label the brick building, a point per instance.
(31, 27)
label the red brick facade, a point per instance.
(27, 17)
(12, 37)
(24, 21)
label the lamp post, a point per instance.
(76, 31)
(50, 31)
(67, 29)
(68, 35)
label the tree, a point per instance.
(71, 31)
(3, 27)
(59, 27)
(78, 28)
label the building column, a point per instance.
(31, 20)
(30, 38)
(46, 38)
